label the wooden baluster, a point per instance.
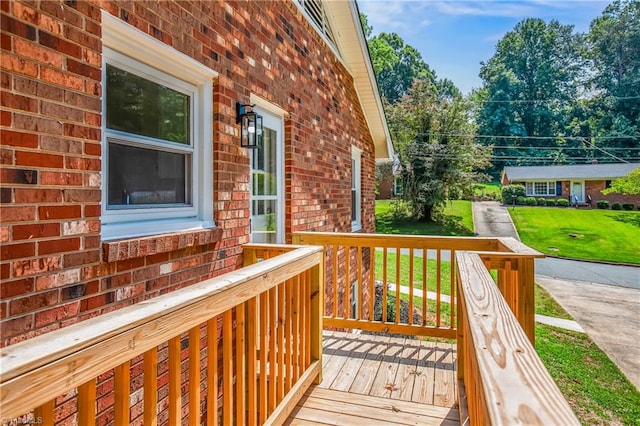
(281, 319)
(297, 352)
(372, 284)
(212, 371)
(227, 368)
(384, 284)
(398, 285)
(452, 289)
(150, 386)
(526, 290)
(425, 286)
(438, 284)
(252, 362)
(264, 353)
(45, 413)
(288, 334)
(359, 290)
(241, 365)
(194, 376)
(87, 403)
(273, 338)
(411, 283)
(175, 397)
(306, 316)
(347, 283)
(335, 281)
(121, 389)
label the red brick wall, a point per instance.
(55, 269)
(594, 188)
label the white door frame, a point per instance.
(581, 195)
(275, 122)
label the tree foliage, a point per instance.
(433, 136)
(396, 65)
(628, 185)
(553, 96)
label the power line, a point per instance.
(470, 135)
(525, 101)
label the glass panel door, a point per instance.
(267, 184)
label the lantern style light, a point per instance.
(250, 126)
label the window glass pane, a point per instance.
(551, 188)
(354, 194)
(264, 221)
(529, 189)
(140, 176)
(540, 188)
(264, 173)
(140, 106)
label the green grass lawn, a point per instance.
(607, 235)
(490, 190)
(457, 220)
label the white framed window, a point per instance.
(157, 139)
(540, 188)
(356, 189)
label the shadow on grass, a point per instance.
(626, 217)
(444, 225)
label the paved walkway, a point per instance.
(609, 314)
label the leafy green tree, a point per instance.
(433, 136)
(528, 82)
(628, 185)
(614, 52)
(396, 65)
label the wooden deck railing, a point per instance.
(498, 369)
(254, 336)
(362, 265)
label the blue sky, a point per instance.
(454, 36)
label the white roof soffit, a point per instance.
(349, 36)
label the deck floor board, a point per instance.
(371, 379)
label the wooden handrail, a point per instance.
(36, 371)
(504, 379)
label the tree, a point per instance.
(628, 185)
(528, 82)
(433, 135)
(614, 52)
(396, 65)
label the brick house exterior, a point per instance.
(70, 249)
(583, 181)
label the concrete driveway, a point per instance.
(609, 311)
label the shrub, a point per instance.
(562, 202)
(520, 200)
(551, 202)
(616, 206)
(628, 206)
(531, 201)
(510, 193)
(541, 202)
(602, 204)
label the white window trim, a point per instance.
(356, 155)
(123, 42)
(530, 189)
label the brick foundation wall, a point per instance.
(55, 269)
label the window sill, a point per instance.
(132, 248)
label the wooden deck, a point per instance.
(370, 379)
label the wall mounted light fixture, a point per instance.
(250, 126)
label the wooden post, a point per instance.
(526, 297)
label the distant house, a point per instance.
(579, 183)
